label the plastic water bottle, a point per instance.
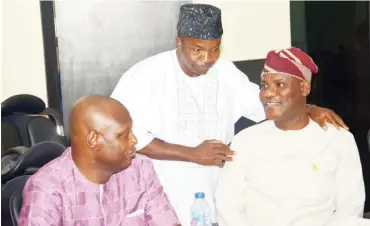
(200, 211)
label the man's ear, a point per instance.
(93, 140)
(178, 43)
(305, 88)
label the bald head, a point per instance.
(101, 133)
(92, 111)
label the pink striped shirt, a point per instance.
(58, 194)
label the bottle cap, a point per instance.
(199, 195)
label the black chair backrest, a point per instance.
(35, 157)
(22, 103)
(10, 136)
(26, 122)
(15, 205)
(6, 193)
(14, 125)
(19, 121)
(27, 130)
(43, 129)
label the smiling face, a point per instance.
(197, 56)
(283, 96)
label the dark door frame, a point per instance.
(53, 85)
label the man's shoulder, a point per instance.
(166, 55)
(339, 135)
(255, 129)
(253, 132)
(153, 63)
(143, 77)
(225, 65)
(52, 175)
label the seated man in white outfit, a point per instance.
(287, 171)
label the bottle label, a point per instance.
(203, 219)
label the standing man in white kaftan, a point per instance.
(184, 104)
(287, 171)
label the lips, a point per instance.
(132, 154)
(203, 68)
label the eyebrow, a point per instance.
(263, 81)
(195, 46)
(124, 131)
(279, 80)
(201, 47)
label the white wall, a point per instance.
(252, 28)
(23, 69)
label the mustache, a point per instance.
(271, 101)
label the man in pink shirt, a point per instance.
(98, 180)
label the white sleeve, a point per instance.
(230, 192)
(350, 185)
(143, 136)
(247, 97)
(133, 91)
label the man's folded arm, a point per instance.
(38, 207)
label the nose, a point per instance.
(268, 92)
(205, 58)
(133, 139)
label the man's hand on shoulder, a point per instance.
(323, 115)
